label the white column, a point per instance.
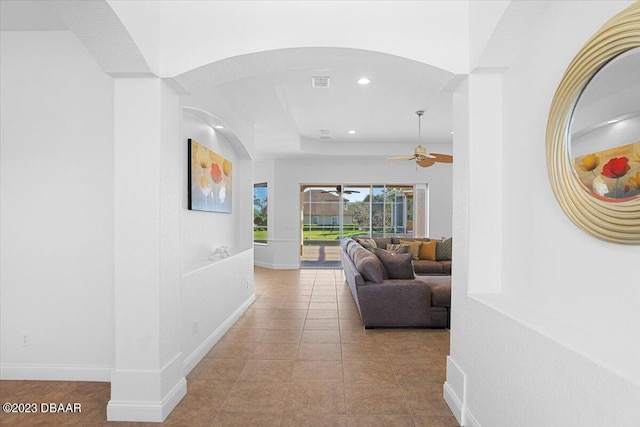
(421, 211)
(484, 150)
(477, 211)
(148, 380)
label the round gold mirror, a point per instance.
(593, 133)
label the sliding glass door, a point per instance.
(322, 214)
(331, 212)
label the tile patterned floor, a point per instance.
(298, 357)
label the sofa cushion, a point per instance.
(424, 266)
(351, 249)
(411, 239)
(349, 244)
(397, 248)
(371, 268)
(441, 295)
(428, 251)
(382, 242)
(397, 266)
(369, 244)
(444, 250)
(446, 267)
(414, 247)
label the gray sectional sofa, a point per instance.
(441, 265)
(386, 301)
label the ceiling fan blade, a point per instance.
(402, 158)
(425, 163)
(442, 158)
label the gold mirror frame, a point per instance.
(617, 222)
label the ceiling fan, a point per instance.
(338, 190)
(420, 154)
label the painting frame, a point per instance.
(210, 180)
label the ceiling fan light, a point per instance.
(420, 151)
(420, 154)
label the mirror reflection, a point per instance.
(605, 130)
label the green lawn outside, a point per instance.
(330, 235)
(261, 235)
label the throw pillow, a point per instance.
(398, 266)
(444, 250)
(369, 244)
(397, 248)
(371, 268)
(414, 248)
(428, 250)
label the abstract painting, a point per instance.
(210, 180)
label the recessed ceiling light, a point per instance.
(451, 132)
(219, 127)
(364, 81)
(351, 132)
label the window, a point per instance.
(260, 203)
(330, 212)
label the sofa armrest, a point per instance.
(395, 303)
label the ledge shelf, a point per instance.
(196, 266)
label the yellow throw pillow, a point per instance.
(428, 250)
(414, 248)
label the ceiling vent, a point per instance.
(325, 134)
(320, 82)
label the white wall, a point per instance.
(539, 228)
(433, 32)
(214, 294)
(57, 209)
(202, 232)
(283, 246)
(557, 341)
(57, 273)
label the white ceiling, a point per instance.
(29, 15)
(272, 93)
(286, 111)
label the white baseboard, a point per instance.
(470, 420)
(276, 266)
(37, 372)
(454, 389)
(262, 264)
(454, 402)
(194, 358)
(454, 393)
(134, 393)
(145, 411)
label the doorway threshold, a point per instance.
(320, 264)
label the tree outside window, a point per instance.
(260, 204)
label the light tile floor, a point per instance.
(298, 357)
